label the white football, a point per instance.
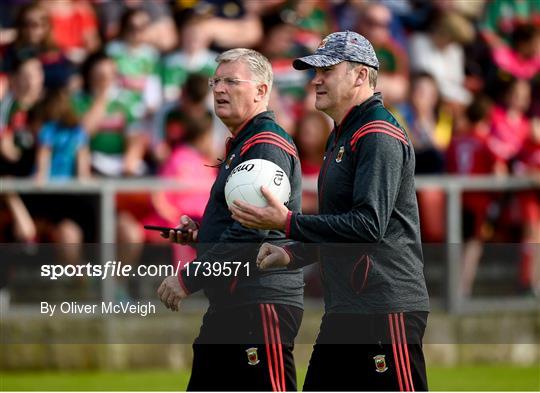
(245, 181)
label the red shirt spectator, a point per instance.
(74, 27)
(508, 133)
(528, 162)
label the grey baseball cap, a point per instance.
(338, 47)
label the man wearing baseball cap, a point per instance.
(376, 301)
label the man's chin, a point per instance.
(222, 113)
(320, 105)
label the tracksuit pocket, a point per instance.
(360, 274)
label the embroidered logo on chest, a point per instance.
(340, 154)
(229, 161)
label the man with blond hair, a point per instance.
(247, 335)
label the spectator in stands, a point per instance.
(503, 16)
(314, 20)
(190, 164)
(17, 139)
(193, 57)
(510, 125)
(63, 145)
(161, 31)
(440, 53)
(232, 24)
(528, 163)
(73, 27)
(137, 63)
(281, 47)
(310, 138)
(18, 226)
(34, 38)
(117, 144)
(428, 124)
(186, 155)
(469, 155)
(393, 77)
(171, 121)
(521, 58)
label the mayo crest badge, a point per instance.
(229, 161)
(340, 154)
(252, 355)
(380, 363)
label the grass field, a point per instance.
(479, 378)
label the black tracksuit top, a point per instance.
(222, 239)
(366, 198)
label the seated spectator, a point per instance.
(469, 155)
(17, 138)
(510, 125)
(393, 75)
(440, 53)
(521, 58)
(429, 127)
(310, 138)
(137, 63)
(117, 144)
(528, 163)
(193, 57)
(501, 18)
(34, 38)
(232, 24)
(74, 27)
(314, 20)
(63, 145)
(190, 163)
(428, 124)
(170, 122)
(281, 48)
(161, 31)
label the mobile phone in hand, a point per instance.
(164, 229)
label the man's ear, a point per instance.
(262, 91)
(362, 76)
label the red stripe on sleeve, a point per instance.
(272, 135)
(382, 123)
(245, 148)
(378, 126)
(288, 224)
(353, 143)
(358, 134)
(266, 137)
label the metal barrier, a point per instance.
(453, 187)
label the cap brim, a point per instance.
(315, 61)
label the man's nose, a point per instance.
(219, 86)
(317, 79)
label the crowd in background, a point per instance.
(116, 89)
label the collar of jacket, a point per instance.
(245, 130)
(358, 110)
